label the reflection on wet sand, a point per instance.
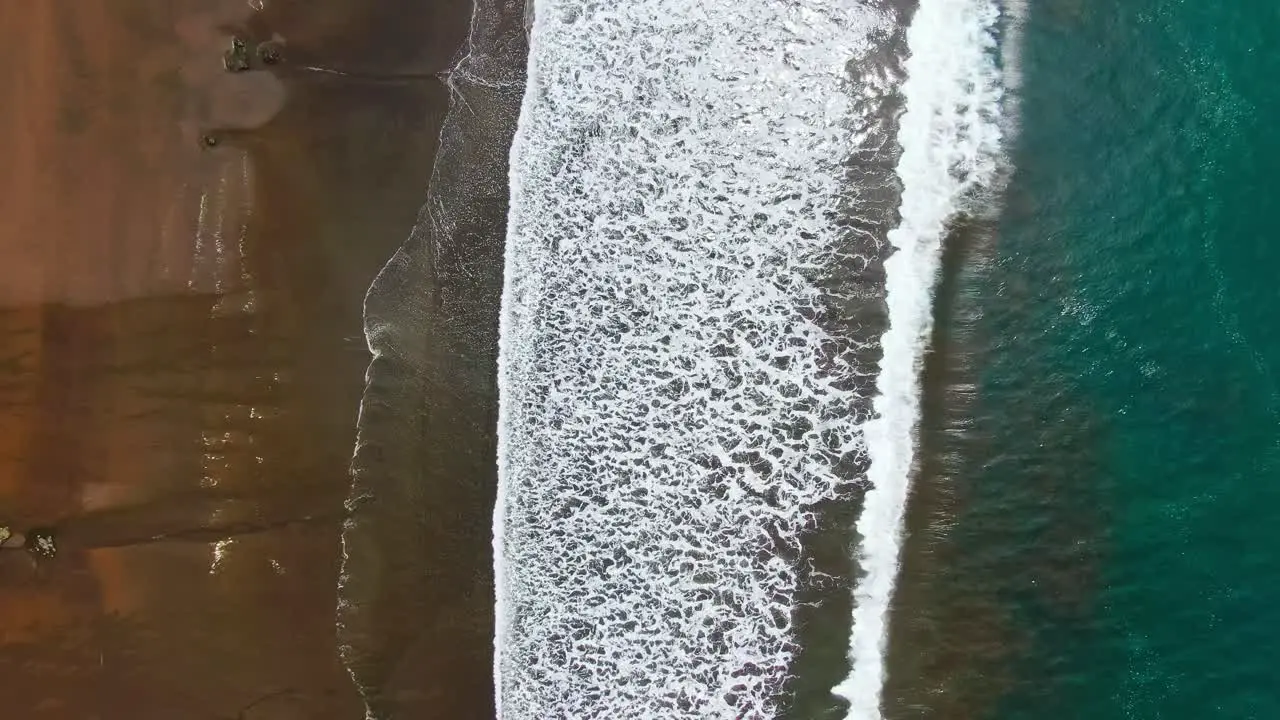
(181, 352)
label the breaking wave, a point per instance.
(951, 163)
(682, 383)
(672, 408)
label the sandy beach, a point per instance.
(183, 256)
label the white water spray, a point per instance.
(670, 408)
(951, 136)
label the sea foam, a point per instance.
(951, 136)
(672, 408)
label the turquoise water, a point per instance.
(1102, 520)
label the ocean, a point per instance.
(855, 359)
(1092, 538)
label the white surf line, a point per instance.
(951, 135)
(668, 416)
(1012, 24)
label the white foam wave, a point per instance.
(951, 141)
(671, 409)
(1012, 25)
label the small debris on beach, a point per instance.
(40, 542)
(270, 53)
(237, 58)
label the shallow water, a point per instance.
(693, 315)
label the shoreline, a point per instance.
(181, 356)
(424, 462)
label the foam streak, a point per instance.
(950, 136)
(671, 408)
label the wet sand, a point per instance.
(183, 257)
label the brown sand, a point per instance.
(182, 355)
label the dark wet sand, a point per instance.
(182, 357)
